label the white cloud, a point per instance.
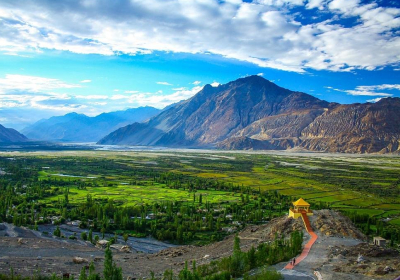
(14, 108)
(86, 81)
(367, 93)
(380, 87)
(99, 103)
(369, 90)
(263, 32)
(279, 3)
(31, 83)
(344, 6)
(164, 83)
(316, 4)
(20, 94)
(119, 96)
(92, 96)
(260, 74)
(196, 83)
(160, 100)
(375, 99)
(215, 84)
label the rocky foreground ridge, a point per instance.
(334, 254)
(254, 113)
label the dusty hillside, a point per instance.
(331, 223)
(55, 255)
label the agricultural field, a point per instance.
(366, 185)
(369, 184)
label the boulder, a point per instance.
(102, 243)
(79, 260)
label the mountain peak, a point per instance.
(253, 79)
(254, 113)
(82, 128)
(215, 113)
(74, 114)
(389, 100)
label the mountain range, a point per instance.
(254, 113)
(81, 128)
(8, 135)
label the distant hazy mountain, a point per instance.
(9, 135)
(254, 113)
(81, 128)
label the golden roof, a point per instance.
(301, 202)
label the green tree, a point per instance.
(237, 259)
(92, 272)
(125, 236)
(57, 232)
(83, 275)
(111, 271)
(168, 275)
(251, 256)
(368, 227)
(84, 235)
(90, 237)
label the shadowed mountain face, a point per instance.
(9, 135)
(253, 113)
(81, 128)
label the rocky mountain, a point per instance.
(81, 128)
(254, 113)
(9, 135)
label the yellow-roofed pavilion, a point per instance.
(300, 206)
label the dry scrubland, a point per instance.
(334, 255)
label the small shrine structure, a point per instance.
(300, 206)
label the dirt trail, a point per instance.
(334, 255)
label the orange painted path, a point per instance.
(309, 244)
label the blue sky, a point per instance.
(94, 56)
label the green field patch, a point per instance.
(388, 206)
(361, 202)
(390, 213)
(371, 212)
(383, 184)
(132, 195)
(320, 195)
(211, 175)
(395, 222)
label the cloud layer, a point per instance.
(373, 90)
(336, 35)
(26, 99)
